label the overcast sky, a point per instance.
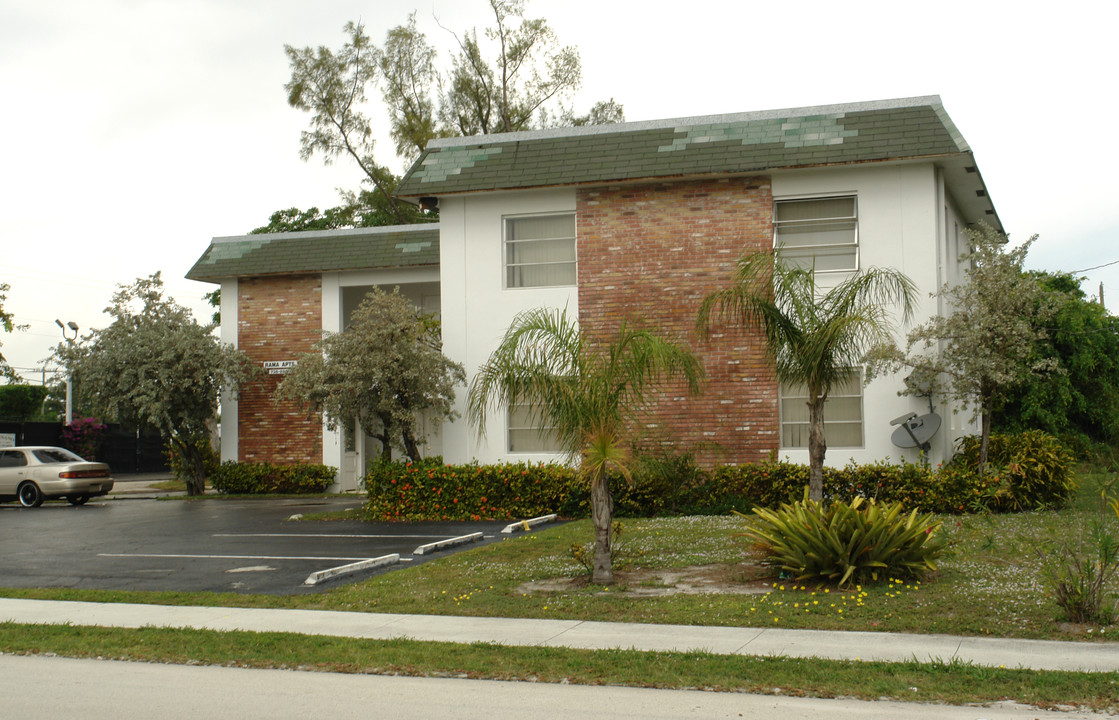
(135, 131)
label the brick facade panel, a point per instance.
(653, 253)
(278, 318)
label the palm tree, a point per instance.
(586, 391)
(813, 337)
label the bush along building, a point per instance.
(635, 221)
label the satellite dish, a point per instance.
(915, 431)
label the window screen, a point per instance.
(540, 251)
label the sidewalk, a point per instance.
(141, 485)
(889, 647)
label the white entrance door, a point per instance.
(352, 461)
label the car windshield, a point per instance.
(55, 455)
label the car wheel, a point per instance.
(30, 495)
(77, 499)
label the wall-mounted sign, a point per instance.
(7, 440)
(279, 367)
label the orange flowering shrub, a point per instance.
(432, 490)
(1026, 472)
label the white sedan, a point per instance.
(34, 474)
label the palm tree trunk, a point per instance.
(817, 449)
(602, 513)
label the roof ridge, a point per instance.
(332, 233)
(636, 126)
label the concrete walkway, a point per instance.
(137, 486)
(890, 647)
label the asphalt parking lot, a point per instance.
(217, 545)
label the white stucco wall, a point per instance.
(229, 318)
(907, 222)
(415, 284)
(332, 448)
(477, 309)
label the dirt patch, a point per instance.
(737, 579)
(1079, 628)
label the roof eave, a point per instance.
(965, 185)
(217, 279)
(938, 159)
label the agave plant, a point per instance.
(847, 543)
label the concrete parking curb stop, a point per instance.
(449, 542)
(329, 574)
(526, 525)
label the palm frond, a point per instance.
(812, 336)
(571, 384)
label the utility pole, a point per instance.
(69, 377)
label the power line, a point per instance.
(1094, 267)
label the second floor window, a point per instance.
(540, 251)
(820, 233)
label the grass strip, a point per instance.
(946, 682)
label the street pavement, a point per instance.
(53, 687)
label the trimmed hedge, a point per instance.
(1027, 472)
(245, 478)
(430, 490)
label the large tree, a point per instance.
(589, 392)
(332, 87)
(1079, 401)
(155, 365)
(22, 403)
(358, 210)
(529, 70)
(386, 370)
(813, 335)
(514, 76)
(7, 323)
(986, 345)
(409, 77)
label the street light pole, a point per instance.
(70, 376)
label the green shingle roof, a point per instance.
(724, 144)
(318, 251)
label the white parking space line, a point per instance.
(232, 557)
(321, 535)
